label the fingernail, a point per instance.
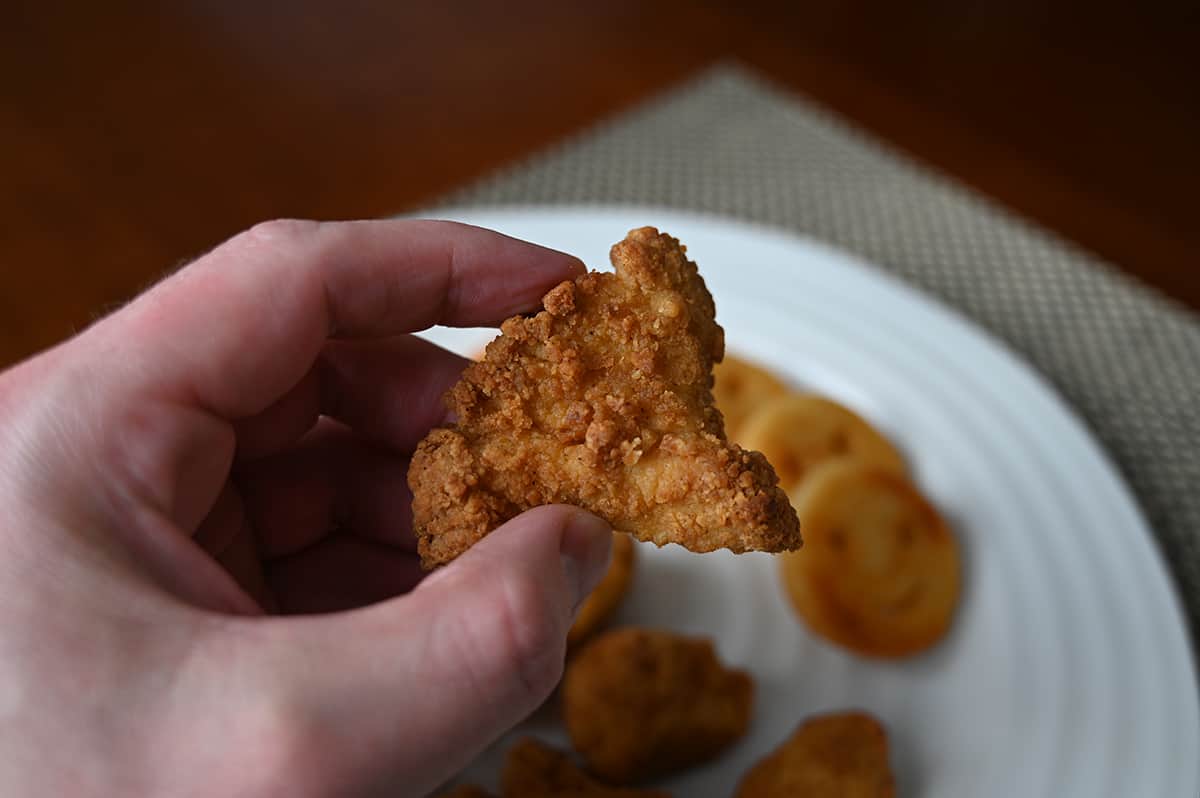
(585, 551)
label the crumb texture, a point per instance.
(643, 703)
(602, 400)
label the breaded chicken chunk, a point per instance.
(535, 770)
(641, 703)
(602, 400)
(843, 755)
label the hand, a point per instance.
(234, 444)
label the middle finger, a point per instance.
(331, 479)
(389, 390)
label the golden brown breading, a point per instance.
(535, 770)
(640, 703)
(608, 595)
(843, 755)
(602, 400)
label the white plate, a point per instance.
(1068, 670)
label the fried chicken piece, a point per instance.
(839, 756)
(641, 703)
(535, 770)
(602, 400)
(607, 596)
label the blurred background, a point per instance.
(135, 135)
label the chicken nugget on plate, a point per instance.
(641, 703)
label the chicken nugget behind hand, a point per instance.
(534, 770)
(602, 400)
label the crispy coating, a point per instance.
(641, 703)
(602, 400)
(843, 755)
(608, 595)
(535, 770)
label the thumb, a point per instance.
(419, 685)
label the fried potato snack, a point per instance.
(831, 756)
(535, 770)
(740, 389)
(799, 431)
(602, 400)
(604, 600)
(880, 572)
(641, 703)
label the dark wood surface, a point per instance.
(134, 135)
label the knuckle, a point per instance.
(276, 231)
(533, 638)
(512, 650)
(288, 751)
(275, 234)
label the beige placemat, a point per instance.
(731, 143)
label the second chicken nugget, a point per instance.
(640, 703)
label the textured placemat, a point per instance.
(730, 143)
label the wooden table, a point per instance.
(134, 135)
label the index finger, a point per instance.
(237, 328)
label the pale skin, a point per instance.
(208, 583)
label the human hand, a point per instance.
(232, 443)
